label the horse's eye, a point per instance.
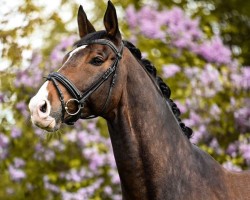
(97, 61)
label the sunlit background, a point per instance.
(200, 48)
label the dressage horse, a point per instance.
(106, 76)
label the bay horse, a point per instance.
(106, 76)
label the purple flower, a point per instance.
(108, 190)
(91, 125)
(97, 161)
(192, 72)
(72, 136)
(110, 159)
(241, 78)
(74, 196)
(181, 30)
(95, 158)
(210, 78)
(83, 193)
(215, 145)
(215, 111)
(32, 76)
(181, 43)
(49, 155)
(58, 145)
(245, 78)
(232, 149)
(230, 166)
(21, 77)
(147, 13)
(82, 138)
(36, 59)
(114, 176)
(21, 106)
(170, 70)
(16, 174)
(74, 176)
(199, 134)
(4, 143)
(149, 24)
(16, 132)
(43, 153)
(236, 79)
(116, 197)
(151, 29)
(215, 51)
(245, 151)
(194, 119)
(173, 16)
(209, 75)
(18, 162)
(50, 186)
(131, 16)
(242, 117)
(24, 78)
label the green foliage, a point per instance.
(54, 162)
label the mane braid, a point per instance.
(163, 86)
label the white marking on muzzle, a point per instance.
(39, 117)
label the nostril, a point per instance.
(43, 108)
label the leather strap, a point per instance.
(72, 89)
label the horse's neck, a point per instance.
(147, 140)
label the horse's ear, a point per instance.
(111, 22)
(84, 26)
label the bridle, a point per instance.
(80, 98)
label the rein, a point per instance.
(78, 97)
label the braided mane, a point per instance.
(163, 86)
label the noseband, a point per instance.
(78, 97)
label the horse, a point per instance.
(106, 76)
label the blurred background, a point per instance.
(200, 48)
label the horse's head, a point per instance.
(85, 84)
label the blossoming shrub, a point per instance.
(208, 83)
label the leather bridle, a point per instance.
(80, 98)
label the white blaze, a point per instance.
(38, 117)
(72, 53)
